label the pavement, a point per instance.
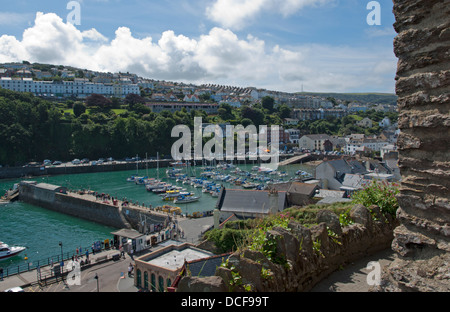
(112, 277)
(193, 228)
(354, 277)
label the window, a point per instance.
(138, 277)
(146, 280)
(153, 282)
(161, 284)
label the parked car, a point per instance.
(57, 163)
(76, 161)
(85, 161)
(15, 289)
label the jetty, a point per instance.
(100, 208)
(295, 160)
(10, 195)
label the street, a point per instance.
(112, 277)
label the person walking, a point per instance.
(1, 274)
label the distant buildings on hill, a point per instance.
(67, 82)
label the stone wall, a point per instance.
(96, 211)
(20, 172)
(311, 254)
(423, 84)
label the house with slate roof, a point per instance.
(250, 203)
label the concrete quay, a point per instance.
(29, 279)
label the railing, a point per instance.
(54, 260)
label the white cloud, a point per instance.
(219, 56)
(235, 14)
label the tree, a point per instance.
(254, 114)
(284, 111)
(268, 103)
(78, 109)
(133, 99)
(98, 100)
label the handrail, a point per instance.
(55, 260)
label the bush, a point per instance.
(226, 240)
(381, 194)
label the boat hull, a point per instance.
(12, 253)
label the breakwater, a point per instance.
(100, 209)
(69, 168)
(36, 171)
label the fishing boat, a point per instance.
(178, 164)
(304, 174)
(140, 180)
(172, 195)
(131, 179)
(163, 189)
(7, 251)
(249, 185)
(185, 199)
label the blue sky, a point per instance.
(322, 45)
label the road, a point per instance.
(112, 277)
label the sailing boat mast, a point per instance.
(157, 166)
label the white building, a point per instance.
(80, 88)
(385, 123)
(373, 144)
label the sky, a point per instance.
(279, 45)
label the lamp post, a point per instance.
(62, 256)
(96, 277)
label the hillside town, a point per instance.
(62, 82)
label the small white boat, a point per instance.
(186, 200)
(7, 251)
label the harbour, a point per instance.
(41, 230)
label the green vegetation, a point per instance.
(254, 233)
(382, 195)
(33, 129)
(346, 125)
(375, 98)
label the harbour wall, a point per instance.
(56, 199)
(36, 171)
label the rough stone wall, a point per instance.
(423, 84)
(311, 254)
(96, 211)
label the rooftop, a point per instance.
(175, 258)
(248, 201)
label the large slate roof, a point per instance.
(248, 201)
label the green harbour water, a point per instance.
(41, 230)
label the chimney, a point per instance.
(273, 201)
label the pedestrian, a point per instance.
(130, 268)
(1, 274)
(87, 255)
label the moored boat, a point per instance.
(185, 199)
(7, 251)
